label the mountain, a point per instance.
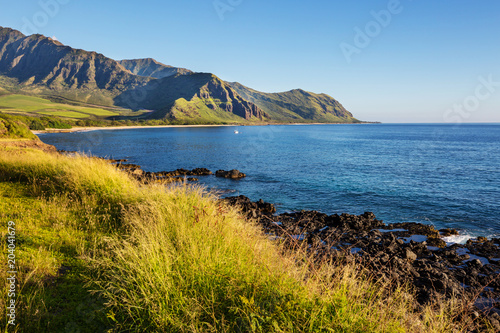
(297, 105)
(40, 66)
(152, 68)
(201, 97)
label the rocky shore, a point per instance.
(404, 253)
(178, 175)
(411, 254)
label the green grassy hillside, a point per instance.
(98, 252)
(14, 129)
(297, 106)
(14, 103)
(194, 98)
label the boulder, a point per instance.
(232, 174)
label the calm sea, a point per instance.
(445, 175)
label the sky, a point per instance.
(391, 61)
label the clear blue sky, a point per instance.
(423, 63)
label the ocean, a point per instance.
(440, 174)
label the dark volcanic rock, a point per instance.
(410, 253)
(200, 172)
(252, 209)
(163, 177)
(233, 174)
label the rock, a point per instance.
(410, 255)
(127, 166)
(266, 207)
(200, 172)
(448, 232)
(252, 209)
(192, 179)
(434, 274)
(233, 174)
(437, 242)
(476, 263)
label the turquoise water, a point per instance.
(446, 175)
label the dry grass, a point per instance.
(174, 260)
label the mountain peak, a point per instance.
(152, 68)
(5, 31)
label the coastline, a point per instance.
(416, 254)
(88, 129)
(99, 128)
(410, 254)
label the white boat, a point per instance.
(236, 132)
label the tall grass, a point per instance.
(97, 186)
(190, 265)
(175, 260)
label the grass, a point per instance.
(14, 129)
(31, 104)
(197, 111)
(98, 252)
(67, 114)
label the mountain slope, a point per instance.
(197, 97)
(37, 65)
(152, 68)
(297, 105)
(42, 65)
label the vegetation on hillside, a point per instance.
(99, 252)
(297, 106)
(11, 128)
(39, 123)
(23, 103)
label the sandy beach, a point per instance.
(86, 129)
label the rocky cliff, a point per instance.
(197, 97)
(152, 68)
(43, 65)
(297, 105)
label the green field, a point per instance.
(30, 104)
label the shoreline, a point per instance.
(459, 238)
(100, 128)
(409, 253)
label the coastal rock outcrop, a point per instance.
(175, 175)
(404, 253)
(252, 209)
(233, 174)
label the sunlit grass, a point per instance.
(44, 106)
(173, 260)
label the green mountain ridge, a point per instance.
(197, 97)
(296, 105)
(40, 66)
